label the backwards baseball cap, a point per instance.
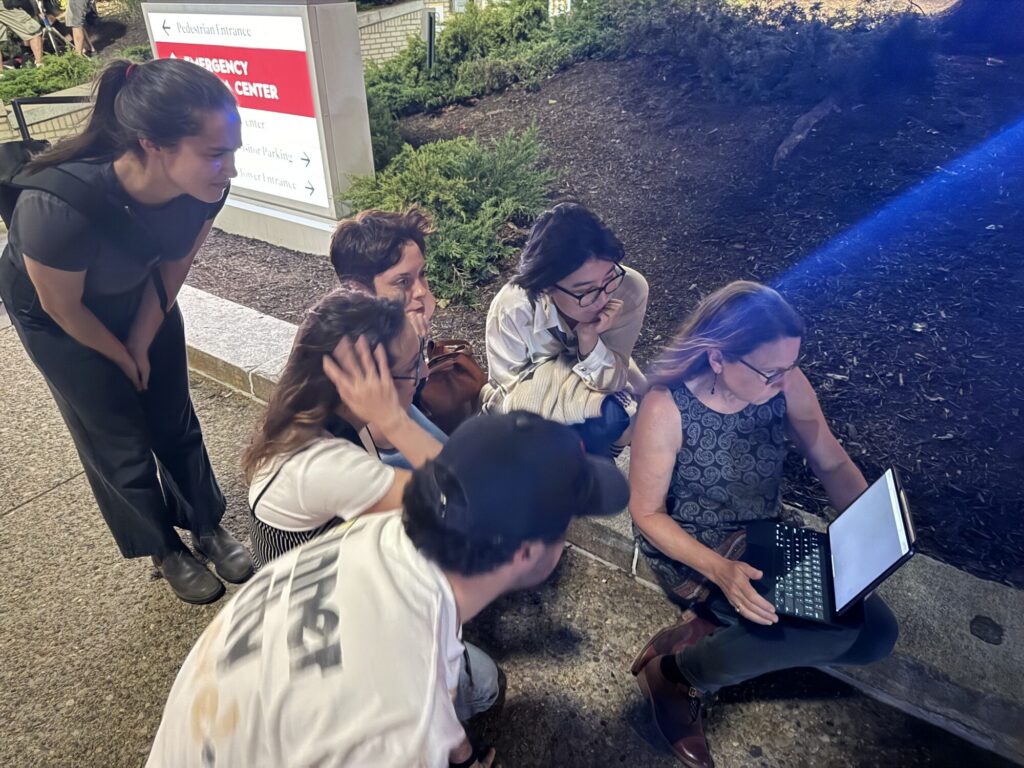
(517, 477)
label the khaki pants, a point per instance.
(20, 23)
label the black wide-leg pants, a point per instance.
(143, 453)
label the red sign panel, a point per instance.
(271, 80)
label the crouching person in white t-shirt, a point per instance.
(347, 650)
(312, 464)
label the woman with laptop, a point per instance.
(707, 460)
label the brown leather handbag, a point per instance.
(451, 393)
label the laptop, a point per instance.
(820, 576)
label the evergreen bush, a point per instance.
(55, 74)
(478, 195)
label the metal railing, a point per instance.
(19, 114)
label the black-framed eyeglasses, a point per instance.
(587, 298)
(421, 359)
(771, 378)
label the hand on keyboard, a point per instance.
(733, 578)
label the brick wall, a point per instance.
(384, 33)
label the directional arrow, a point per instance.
(310, 188)
(166, 27)
(305, 159)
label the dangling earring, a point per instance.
(713, 383)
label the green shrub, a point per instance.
(476, 194)
(384, 133)
(136, 53)
(55, 74)
(739, 52)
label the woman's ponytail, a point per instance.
(101, 135)
(162, 100)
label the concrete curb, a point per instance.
(959, 662)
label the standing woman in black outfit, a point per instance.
(98, 315)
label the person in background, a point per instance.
(560, 334)
(706, 459)
(101, 323)
(386, 253)
(78, 10)
(14, 18)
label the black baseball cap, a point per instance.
(517, 477)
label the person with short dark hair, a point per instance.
(707, 460)
(560, 334)
(347, 650)
(99, 319)
(385, 251)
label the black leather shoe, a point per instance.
(232, 560)
(189, 578)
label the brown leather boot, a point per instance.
(687, 631)
(677, 714)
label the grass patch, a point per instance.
(55, 74)
(478, 195)
(137, 53)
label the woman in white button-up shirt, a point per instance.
(560, 334)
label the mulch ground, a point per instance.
(895, 229)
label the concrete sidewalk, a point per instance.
(959, 663)
(92, 645)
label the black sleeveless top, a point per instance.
(727, 473)
(268, 542)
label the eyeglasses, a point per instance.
(418, 373)
(771, 378)
(587, 298)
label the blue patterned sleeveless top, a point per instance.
(727, 473)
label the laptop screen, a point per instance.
(867, 539)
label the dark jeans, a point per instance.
(143, 453)
(599, 433)
(742, 650)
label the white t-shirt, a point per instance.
(330, 478)
(343, 652)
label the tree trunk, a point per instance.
(985, 26)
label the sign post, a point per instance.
(294, 67)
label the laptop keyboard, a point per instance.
(798, 588)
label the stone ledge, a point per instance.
(232, 344)
(940, 671)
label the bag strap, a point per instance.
(114, 222)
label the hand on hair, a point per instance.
(364, 384)
(588, 333)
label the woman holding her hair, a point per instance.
(313, 463)
(706, 459)
(99, 318)
(560, 334)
